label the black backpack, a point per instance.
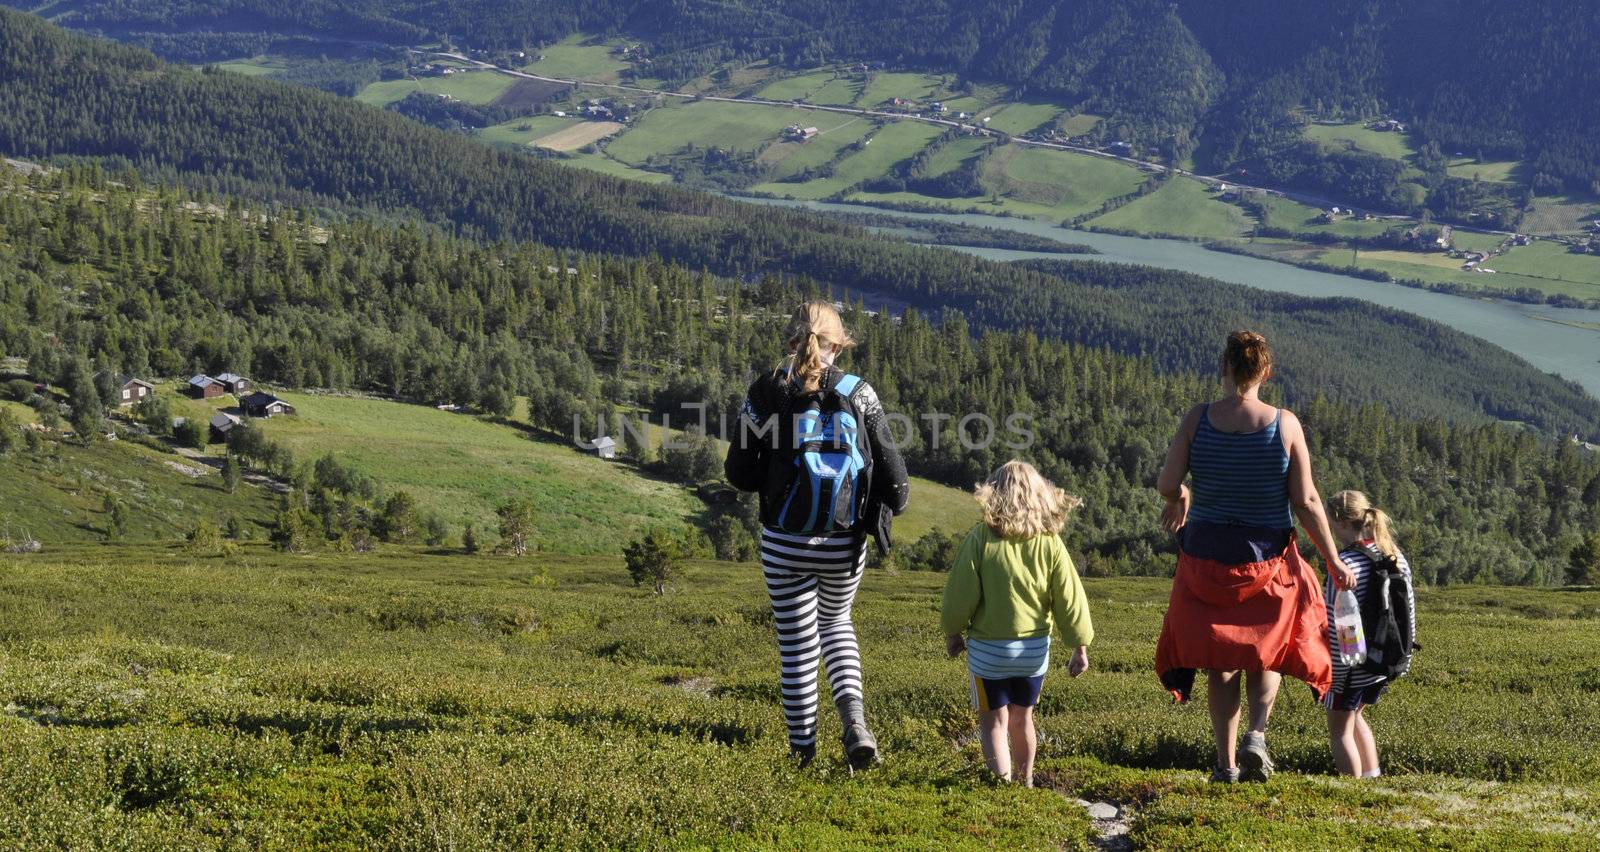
(1388, 617)
(820, 478)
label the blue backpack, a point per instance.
(830, 464)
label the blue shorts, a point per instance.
(990, 693)
(1357, 697)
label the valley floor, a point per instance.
(416, 700)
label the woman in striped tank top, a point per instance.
(1243, 600)
(812, 578)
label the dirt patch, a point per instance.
(695, 685)
(577, 136)
(186, 470)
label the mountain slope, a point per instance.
(1506, 82)
(71, 95)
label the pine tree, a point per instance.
(516, 527)
(653, 559)
(231, 473)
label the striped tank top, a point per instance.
(1239, 478)
(999, 659)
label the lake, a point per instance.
(1526, 330)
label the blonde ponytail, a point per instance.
(1378, 522)
(814, 329)
(1354, 507)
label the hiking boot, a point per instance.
(1225, 775)
(1254, 762)
(803, 755)
(860, 747)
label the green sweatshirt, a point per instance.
(1009, 589)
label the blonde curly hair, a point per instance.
(1018, 502)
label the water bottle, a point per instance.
(1347, 624)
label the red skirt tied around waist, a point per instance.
(1258, 616)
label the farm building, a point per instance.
(261, 404)
(234, 384)
(221, 424)
(204, 387)
(604, 447)
(131, 391)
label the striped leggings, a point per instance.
(812, 583)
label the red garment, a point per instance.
(1259, 616)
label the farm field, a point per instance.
(1017, 119)
(1438, 268)
(1501, 171)
(602, 163)
(884, 86)
(1359, 136)
(1286, 213)
(1560, 215)
(1181, 207)
(473, 87)
(740, 127)
(1057, 185)
(523, 131)
(256, 66)
(955, 155)
(819, 87)
(784, 159)
(577, 57)
(890, 145)
(1081, 123)
(157, 699)
(578, 135)
(1551, 260)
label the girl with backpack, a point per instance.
(1011, 580)
(1388, 606)
(815, 443)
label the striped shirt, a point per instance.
(998, 659)
(1346, 678)
(832, 553)
(1239, 477)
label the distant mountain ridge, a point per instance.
(1504, 81)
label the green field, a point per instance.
(1285, 213)
(1540, 272)
(513, 134)
(1475, 241)
(1076, 125)
(1055, 184)
(739, 127)
(605, 165)
(885, 86)
(1551, 260)
(1182, 207)
(955, 155)
(894, 143)
(783, 159)
(415, 701)
(1500, 171)
(1560, 215)
(1358, 136)
(820, 87)
(577, 58)
(256, 66)
(473, 87)
(1017, 119)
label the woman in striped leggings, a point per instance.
(812, 577)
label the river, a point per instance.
(1525, 330)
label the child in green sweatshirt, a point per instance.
(1011, 578)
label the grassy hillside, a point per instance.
(457, 466)
(1181, 207)
(59, 493)
(159, 700)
